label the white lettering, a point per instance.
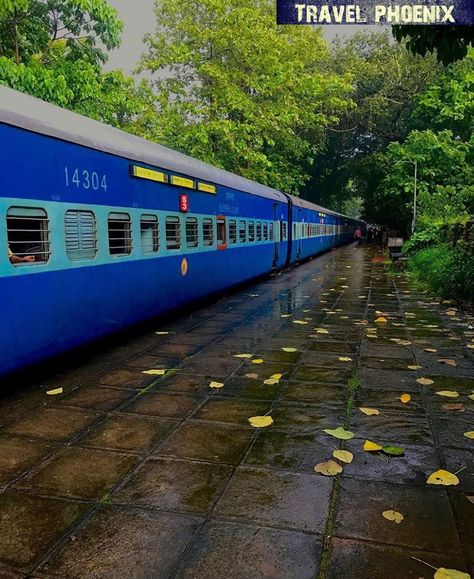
(300, 8)
(311, 14)
(380, 11)
(417, 13)
(448, 14)
(324, 15)
(350, 14)
(338, 12)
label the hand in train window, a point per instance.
(28, 235)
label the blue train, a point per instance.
(102, 230)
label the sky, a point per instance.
(138, 19)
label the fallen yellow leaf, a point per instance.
(414, 367)
(55, 392)
(469, 434)
(261, 421)
(301, 322)
(328, 468)
(471, 396)
(424, 381)
(343, 456)
(340, 432)
(448, 393)
(216, 385)
(321, 331)
(290, 349)
(285, 315)
(155, 372)
(394, 516)
(370, 446)
(442, 477)
(404, 342)
(431, 350)
(381, 320)
(344, 359)
(369, 411)
(254, 376)
(257, 361)
(443, 573)
(243, 355)
(405, 398)
(276, 376)
(161, 333)
(447, 361)
(270, 381)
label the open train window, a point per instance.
(120, 234)
(285, 231)
(232, 231)
(270, 231)
(208, 232)
(265, 232)
(251, 231)
(149, 233)
(81, 234)
(173, 233)
(221, 233)
(259, 231)
(242, 232)
(192, 235)
(28, 233)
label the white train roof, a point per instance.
(38, 116)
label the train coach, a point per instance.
(102, 230)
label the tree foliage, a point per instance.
(239, 92)
(32, 28)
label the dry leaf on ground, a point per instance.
(370, 446)
(394, 516)
(261, 421)
(155, 372)
(340, 432)
(424, 381)
(469, 434)
(216, 385)
(343, 456)
(290, 349)
(405, 398)
(414, 367)
(381, 320)
(443, 573)
(345, 359)
(257, 361)
(328, 468)
(443, 477)
(54, 392)
(369, 411)
(243, 355)
(459, 406)
(447, 361)
(448, 393)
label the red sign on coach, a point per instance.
(183, 203)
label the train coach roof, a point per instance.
(299, 202)
(35, 115)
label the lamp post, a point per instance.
(415, 163)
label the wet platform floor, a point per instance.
(134, 475)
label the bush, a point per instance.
(447, 270)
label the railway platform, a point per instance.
(141, 462)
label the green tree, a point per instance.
(239, 92)
(32, 28)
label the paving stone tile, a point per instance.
(16, 404)
(283, 500)
(317, 374)
(324, 360)
(450, 431)
(388, 379)
(209, 442)
(390, 400)
(96, 398)
(79, 472)
(414, 467)
(315, 393)
(30, 525)
(181, 383)
(125, 432)
(130, 379)
(231, 410)
(146, 361)
(235, 551)
(175, 349)
(398, 428)
(174, 485)
(289, 451)
(250, 388)
(266, 369)
(212, 367)
(166, 405)
(54, 424)
(19, 454)
(342, 348)
(307, 418)
(359, 560)
(460, 461)
(124, 542)
(429, 521)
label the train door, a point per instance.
(221, 232)
(277, 235)
(299, 242)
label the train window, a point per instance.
(270, 231)
(232, 231)
(173, 233)
(208, 232)
(81, 234)
(28, 233)
(120, 234)
(221, 233)
(265, 231)
(294, 230)
(149, 233)
(242, 232)
(251, 231)
(192, 235)
(285, 231)
(259, 231)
